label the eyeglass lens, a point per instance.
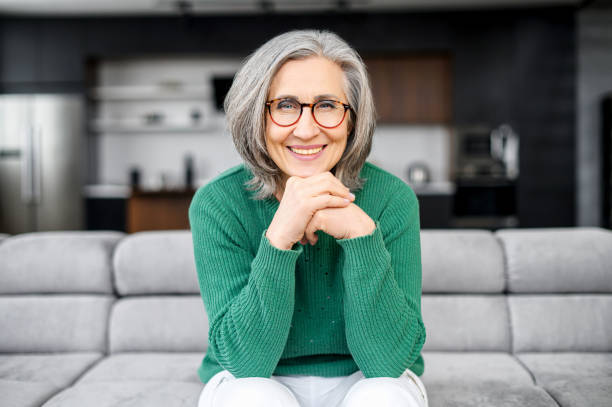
(327, 113)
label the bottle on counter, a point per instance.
(189, 171)
(135, 177)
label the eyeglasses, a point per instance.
(286, 112)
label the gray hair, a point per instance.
(245, 106)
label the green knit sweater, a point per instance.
(324, 310)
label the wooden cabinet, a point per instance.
(160, 210)
(412, 88)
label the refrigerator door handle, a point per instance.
(36, 164)
(30, 180)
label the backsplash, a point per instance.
(141, 117)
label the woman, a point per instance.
(312, 293)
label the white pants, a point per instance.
(224, 390)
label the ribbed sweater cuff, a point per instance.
(364, 252)
(275, 262)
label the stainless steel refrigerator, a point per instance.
(42, 163)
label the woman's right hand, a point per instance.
(301, 199)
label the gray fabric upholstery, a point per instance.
(563, 260)
(513, 318)
(25, 394)
(3, 236)
(164, 366)
(158, 323)
(580, 392)
(54, 323)
(550, 366)
(469, 368)
(57, 262)
(168, 253)
(57, 369)
(487, 395)
(129, 393)
(563, 323)
(461, 261)
(466, 323)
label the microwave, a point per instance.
(472, 153)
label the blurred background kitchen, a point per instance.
(496, 112)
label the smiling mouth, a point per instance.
(307, 152)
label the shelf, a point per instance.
(150, 92)
(154, 129)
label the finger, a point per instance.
(328, 201)
(310, 233)
(331, 186)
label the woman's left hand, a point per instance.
(342, 223)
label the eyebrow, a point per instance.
(317, 98)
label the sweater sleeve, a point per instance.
(248, 297)
(382, 283)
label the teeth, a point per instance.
(306, 152)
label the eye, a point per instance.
(287, 105)
(327, 105)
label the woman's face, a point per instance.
(307, 81)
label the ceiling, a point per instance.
(170, 7)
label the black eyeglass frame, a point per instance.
(311, 106)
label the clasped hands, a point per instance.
(319, 202)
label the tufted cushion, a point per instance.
(466, 323)
(57, 262)
(54, 323)
(159, 262)
(558, 260)
(159, 323)
(564, 323)
(461, 261)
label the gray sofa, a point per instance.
(514, 318)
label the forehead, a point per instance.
(308, 78)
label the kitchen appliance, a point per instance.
(41, 163)
(485, 173)
(505, 148)
(418, 173)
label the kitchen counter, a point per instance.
(433, 188)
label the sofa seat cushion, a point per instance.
(177, 367)
(16, 393)
(57, 369)
(548, 367)
(487, 395)
(129, 393)
(458, 368)
(580, 392)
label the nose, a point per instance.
(306, 127)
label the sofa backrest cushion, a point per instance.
(159, 323)
(156, 262)
(558, 260)
(466, 323)
(461, 261)
(58, 262)
(561, 323)
(54, 323)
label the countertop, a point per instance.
(125, 191)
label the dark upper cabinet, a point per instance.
(61, 52)
(37, 53)
(20, 47)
